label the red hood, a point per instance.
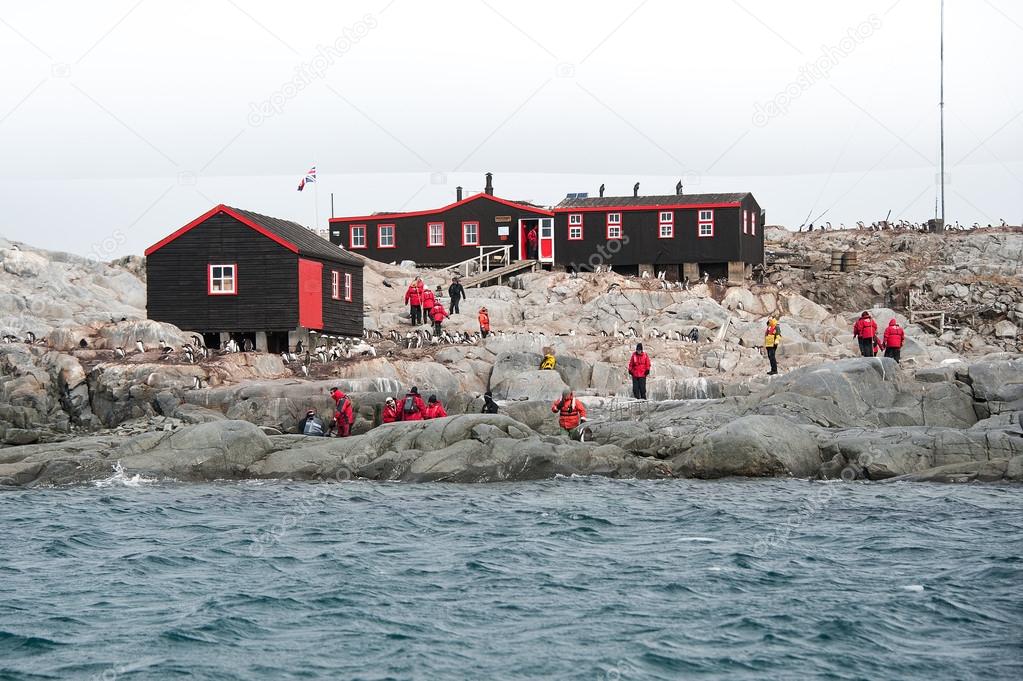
(893, 323)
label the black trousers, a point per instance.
(416, 313)
(454, 304)
(639, 387)
(772, 357)
(894, 353)
(867, 347)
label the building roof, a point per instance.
(475, 197)
(639, 202)
(290, 235)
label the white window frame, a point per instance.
(705, 223)
(335, 285)
(753, 223)
(392, 232)
(575, 219)
(353, 231)
(614, 222)
(476, 231)
(666, 224)
(430, 243)
(348, 287)
(218, 280)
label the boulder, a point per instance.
(207, 451)
(752, 446)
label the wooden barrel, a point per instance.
(836, 261)
(849, 263)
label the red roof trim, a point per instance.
(434, 211)
(617, 209)
(207, 215)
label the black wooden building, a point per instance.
(448, 235)
(231, 273)
(685, 235)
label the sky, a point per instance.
(121, 121)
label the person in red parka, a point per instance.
(434, 409)
(865, 332)
(390, 414)
(412, 407)
(639, 369)
(894, 337)
(344, 416)
(429, 300)
(414, 300)
(531, 243)
(438, 313)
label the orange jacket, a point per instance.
(570, 411)
(484, 321)
(435, 411)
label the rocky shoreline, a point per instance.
(72, 410)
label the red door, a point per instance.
(546, 249)
(310, 294)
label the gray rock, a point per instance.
(752, 446)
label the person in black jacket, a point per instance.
(311, 425)
(456, 292)
(489, 406)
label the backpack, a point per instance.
(410, 405)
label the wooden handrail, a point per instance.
(483, 259)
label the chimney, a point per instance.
(489, 189)
(678, 188)
(601, 191)
(458, 193)
(635, 189)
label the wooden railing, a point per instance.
(489, 257)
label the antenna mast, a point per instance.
(941, 109)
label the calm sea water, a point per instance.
(566, 579)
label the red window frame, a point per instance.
(669, 223)
(394, 235)
(209, 279)
(442, 236)
(351, 238)
(575, 225)
(701, 221)
(348, 287)
(609, 224)
(465, 223)
(335, 285)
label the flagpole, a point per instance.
(316, 201)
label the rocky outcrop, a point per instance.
(467, 448)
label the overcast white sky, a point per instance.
(120, 121)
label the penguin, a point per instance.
(196, 383)
(30, 337)
(139, 346)
(197, 341)
(247, 345)
(298, 348)
(119, 352)
(305, 370)
(165, 348)
(189, 357)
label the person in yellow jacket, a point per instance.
(772, 337)
(548, 362)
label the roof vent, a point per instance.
(635, 189)
(678, 188)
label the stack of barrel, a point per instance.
(843, 261)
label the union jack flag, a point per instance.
(310, 176)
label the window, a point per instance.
(348, 286)
(753, 223)
(222, 280)
(575, 227)
(434, 234)
(705, 225)
(335, 285)
(665, 224)
(356, 236)
(385, 236)
(614, 225)
(470, 234)
(745, 222)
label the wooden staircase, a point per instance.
(497, 276)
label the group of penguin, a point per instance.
(30, 339)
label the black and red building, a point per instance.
(450, 234)
(232, 273)
(685, 235)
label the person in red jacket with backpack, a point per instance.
(894, 337)
(429, 300)
(344, 416)
(639, 369)
(412, 407)
(865, 332)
